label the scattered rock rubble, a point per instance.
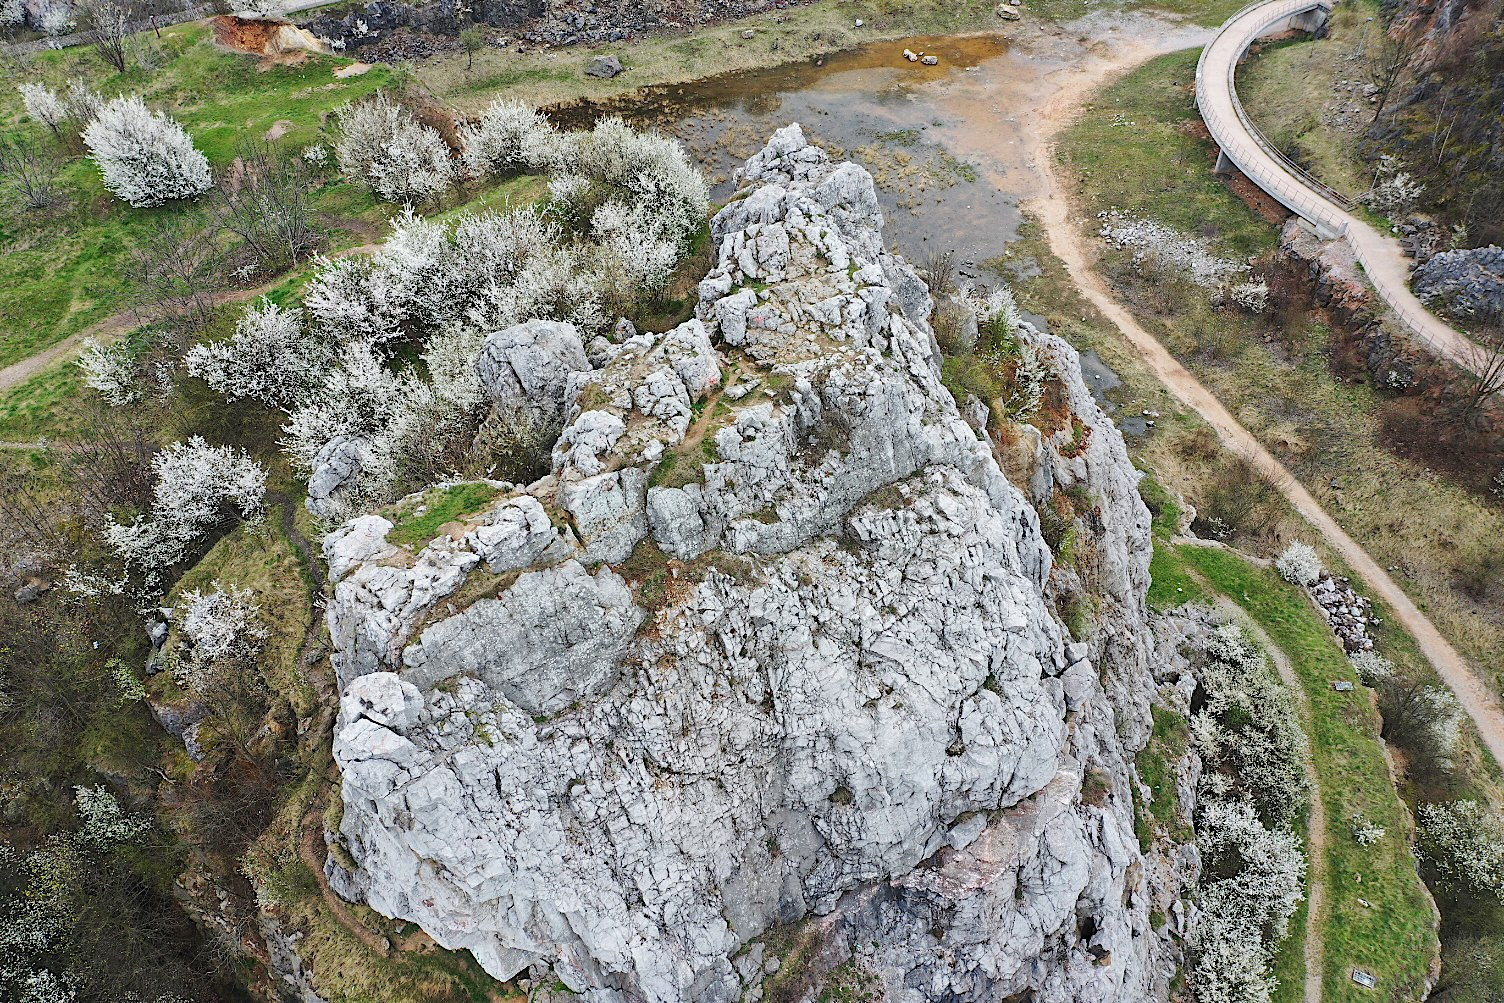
(1467, 283)
(1346, 612)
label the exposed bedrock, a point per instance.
(774, 641)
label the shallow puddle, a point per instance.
(952, 147)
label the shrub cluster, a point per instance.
(1253, 788)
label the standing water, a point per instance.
(952, 147)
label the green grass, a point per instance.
(1393, 935)
(445, 505)
(38, 407)
(61, 270)
(1170, 585)
(1167, 744)
(1153, 167)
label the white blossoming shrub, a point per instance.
(316, 155)
(1396, 191)
(652, 172)
(384, 147)
(44, 104)
(1464, 842)
(1372, 668)
(83, 102)
(197, 487)
(511, 136)
(998, 313)
(105, 822)
(220, 625)
(1299, 564)
(1249, 728)
(1365, 833)
(112, 370)
(1252, 788)
(1246, 912)
(358, 399)
(54, 17)
(1251, 296)
(144, 157)
(12, 13)
(272, 358)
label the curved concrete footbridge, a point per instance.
(1243, 147)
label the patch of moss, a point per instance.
(438, 507)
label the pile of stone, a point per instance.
(1468, 283)
(542, 22)
(1346, 612)
(1419, 238)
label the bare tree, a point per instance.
(1387, 60)
(176, 266)
(265, 201)
(1483, 376)
(31, 171)
(107, 24)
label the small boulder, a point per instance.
(749, 33)
(911, 55)
(1007, 13)
(931, 60)
(604, 67)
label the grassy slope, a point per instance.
(1419, 524)
(1393, 936)
(62, 271)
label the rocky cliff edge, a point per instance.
(774, 642)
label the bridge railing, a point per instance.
(1415, 318)
(1230, 138)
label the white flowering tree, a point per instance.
(197, 487)
(221, 631)
(112, 370)
(360, 399)
(1247, 910)
(44, 105)
(1464, 842)
(1299, 564)
(104, 822)
(144, 157)
(510, 136)
(272, 358)
(1372, 668)
(384, 147)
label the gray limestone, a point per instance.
(796, 656)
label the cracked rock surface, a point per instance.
(774, 642)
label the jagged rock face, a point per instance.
(816, 674)
(1467, 283)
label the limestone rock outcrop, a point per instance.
(776, 641)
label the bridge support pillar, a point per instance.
(1224, 163)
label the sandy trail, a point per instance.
(1052, 208)
(110, 328)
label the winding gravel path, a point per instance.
(1056, 214)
